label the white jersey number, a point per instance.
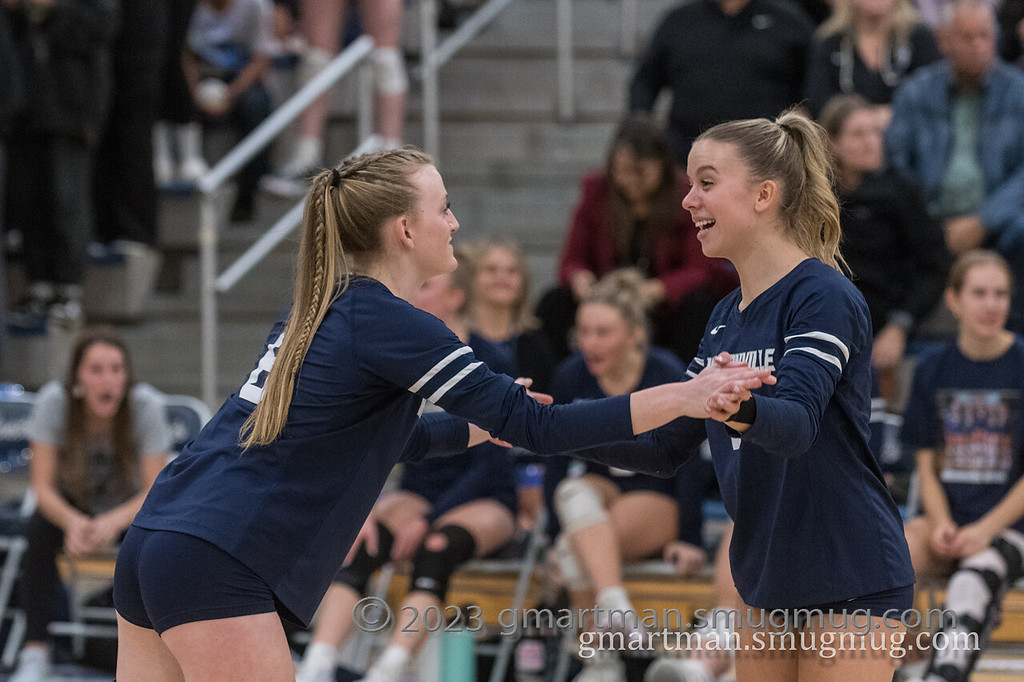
(252, 390)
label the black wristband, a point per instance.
(747, 412)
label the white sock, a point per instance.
(614, 598)
(615, 610)
(319, 656)
(392, 660)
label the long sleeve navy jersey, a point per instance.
(814, 521)
(291, 509)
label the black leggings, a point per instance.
(40, 582)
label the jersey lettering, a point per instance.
(252, 390)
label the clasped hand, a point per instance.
(725, 383)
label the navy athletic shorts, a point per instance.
(164, 578)
(890, 604)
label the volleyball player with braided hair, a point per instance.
(252, 520)
(815, 529)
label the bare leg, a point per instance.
(243, 649)
(491, 524)
(143, 657)
(334, 618)
(321, 25)
(383, 22)
(861, 649)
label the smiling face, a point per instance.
(499, 281)
(102, 380)
(983, 301)
(605, 339)
(721, 198)
(432, 224)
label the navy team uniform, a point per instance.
(573, 383)
(971, 412)
(484, 471)
(226, 533)
(815, 525)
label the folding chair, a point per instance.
(15, 409)
(185, 417)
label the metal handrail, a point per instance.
(435, 56)
(210, 184)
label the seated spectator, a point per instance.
(605, 513)
(98, 441)
(64, 48)
(957, 131)
(867, 47)
(228, 50)
(723, 60)
(631, 215)
(894, 248)
(963, 420)
(445, 512)
(498, 310)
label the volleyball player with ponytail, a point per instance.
(252, 520)
(815, 526)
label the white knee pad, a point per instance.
(314, 60)
(578, 505)
(574, 577)
(389, 71)
(967, 592)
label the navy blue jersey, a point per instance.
(486, 470)
(573, 383)
(814, 521)
(970, 413)
(290, 510)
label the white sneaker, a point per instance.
(291, 181)
(307, 674)
(602, 668)
(33, 666)
(677, 670)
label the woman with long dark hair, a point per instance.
(98, 441)
(630, 215)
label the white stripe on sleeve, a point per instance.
(818, 354)
(448, 385)
(824, 336)
(433, 371)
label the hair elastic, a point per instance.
(785, 128)
(335, 177)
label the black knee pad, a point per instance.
(432, 570)
(1011, 555)
(357, 574)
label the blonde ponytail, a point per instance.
(345, 210)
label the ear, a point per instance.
(953, 302)
(400, 228)
(767, 195)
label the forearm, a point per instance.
(1009, 510)
(933, 497)
(54, 507)
(254, 72)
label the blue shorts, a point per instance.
(890, 604)
(164, 579)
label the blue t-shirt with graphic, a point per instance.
(970, 413)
